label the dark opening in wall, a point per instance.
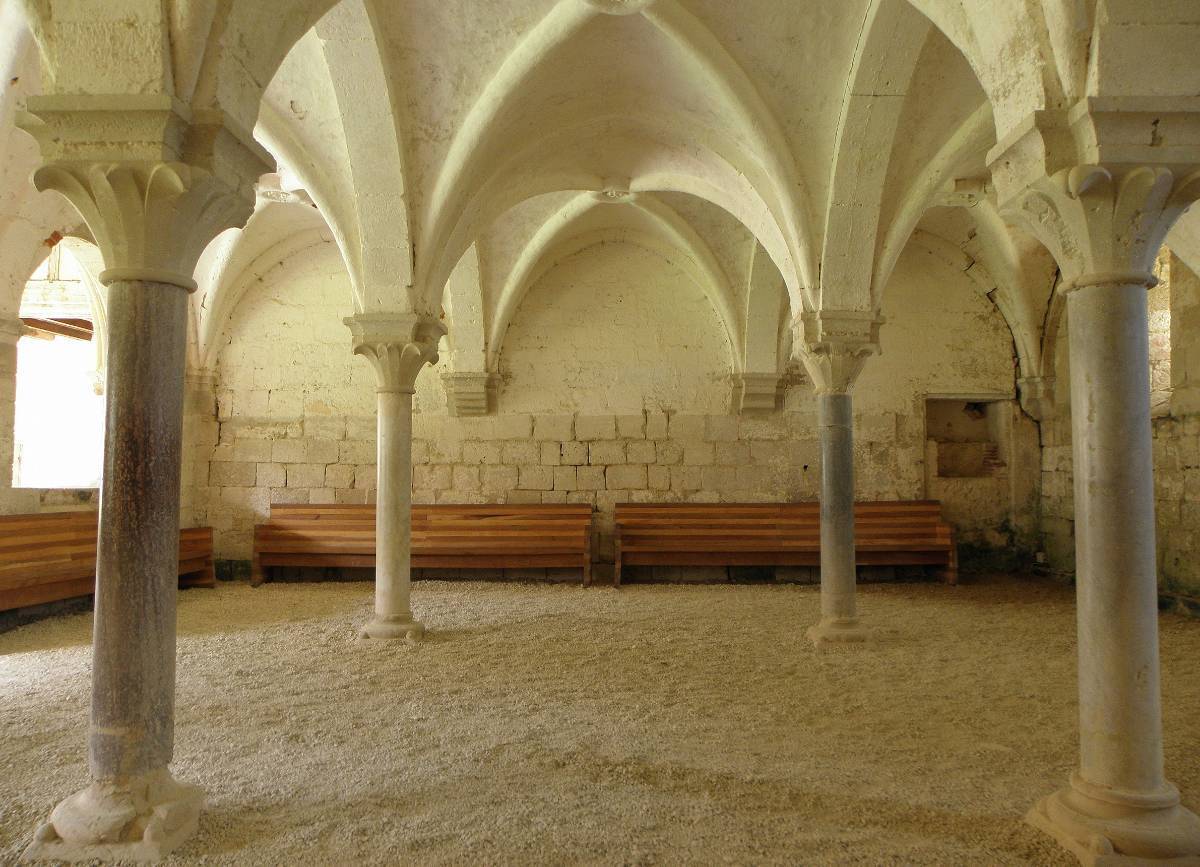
(967, 436)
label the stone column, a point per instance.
(1105, 228)
(836, 345)
(151, 218)
(10, 333)
(839, 614)
(398, 347)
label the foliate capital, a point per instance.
(397, 345)
(1105, 225)
(834, 345)
(153, 183)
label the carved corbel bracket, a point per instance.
(469, 392)
(755, 393)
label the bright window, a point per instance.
(59, 425)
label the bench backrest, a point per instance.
(49, 544)
(358, 522)
(872, 520)
(357, 512)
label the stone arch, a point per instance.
(884, 61)
(237, 259)
(760, 184)
(659, 229)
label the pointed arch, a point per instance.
(660, 229)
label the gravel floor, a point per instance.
(549, 724)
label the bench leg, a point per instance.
(206, 577)
(952, 569)
(950, 573)
(617, 566)
(257, 576)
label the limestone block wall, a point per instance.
(1176, 430)
(627, 402)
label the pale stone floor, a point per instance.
(549, 724)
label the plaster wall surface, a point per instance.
(616, 389)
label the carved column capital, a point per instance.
(154, 182)
(1105, 225)
(397, 345)
(151, 220)
(834, 345)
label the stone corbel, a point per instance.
(398, 345)
(1036, 396)
(834, 345)
(469, 392)
(755, 393)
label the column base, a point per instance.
(834, 631)
(141, 819)
(1119, 829)
(393, 629)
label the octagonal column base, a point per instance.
(393, 629)
(1119, 829)
(139, 819)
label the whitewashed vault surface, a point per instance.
(783, 154)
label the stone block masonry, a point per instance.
(601, 460)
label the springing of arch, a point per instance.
(885, 58)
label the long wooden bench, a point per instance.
(443, 537)
(904, 533)
(52, 556)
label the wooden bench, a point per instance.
(52, 555)
(443, 537)
(905, 533)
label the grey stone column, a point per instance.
(1119, 798)
(133, 675)
(151, 214)
(131, 737)
(839, 614)
(834, 346)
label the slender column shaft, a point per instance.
(9, 334)
(393, 512)
(133, 678)
(835, 423)
(1119, 704)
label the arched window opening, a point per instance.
(59, 425)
